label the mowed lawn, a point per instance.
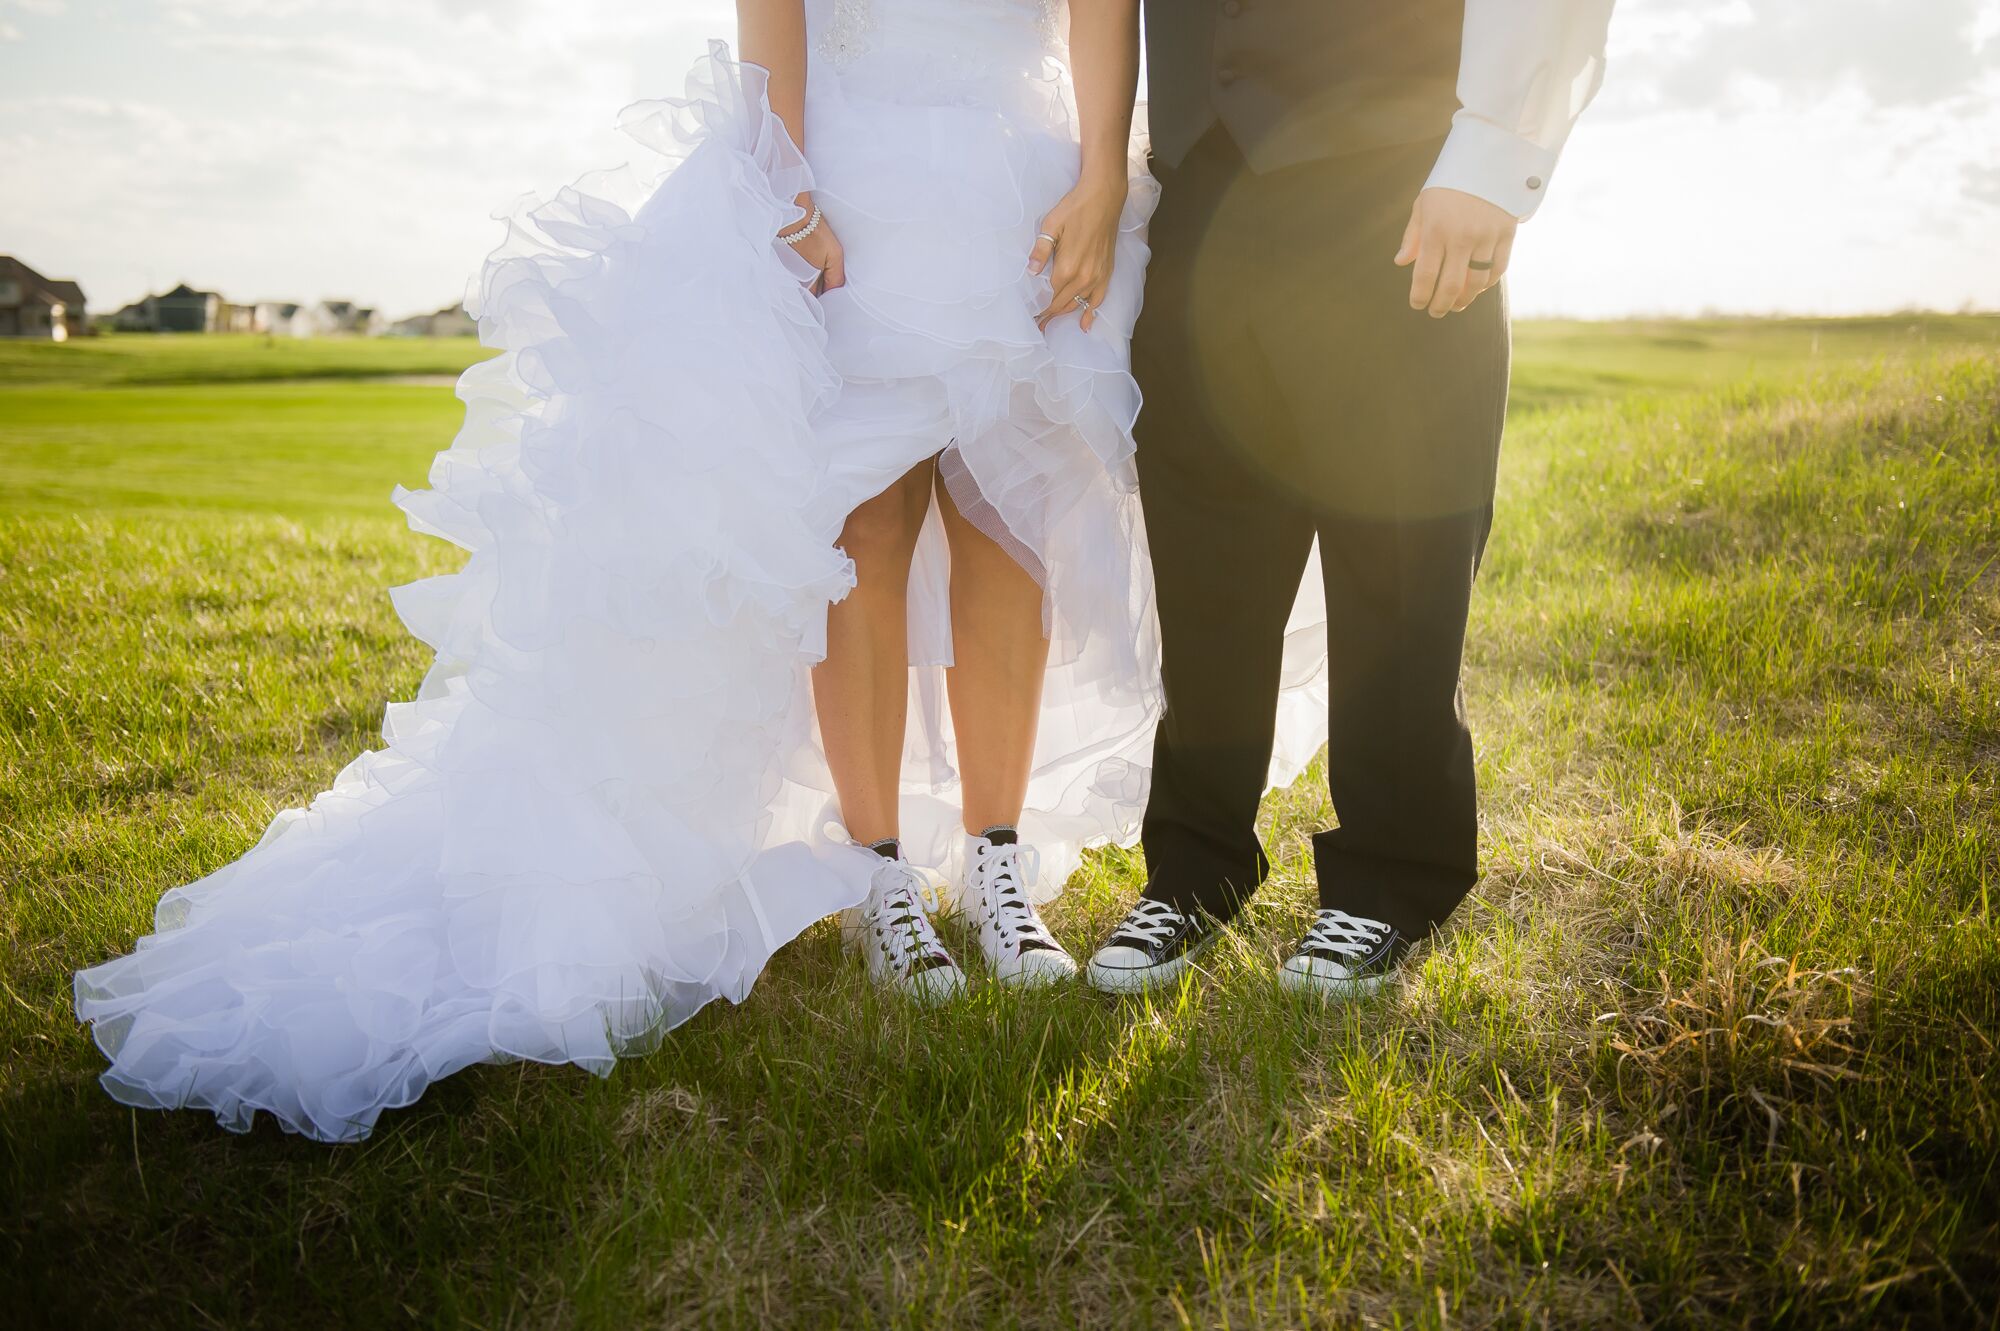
(1714, 1045)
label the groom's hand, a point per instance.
(1460, 245)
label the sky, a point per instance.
(1752, 156)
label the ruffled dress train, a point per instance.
(607, 804)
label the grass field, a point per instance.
(1712, 1046)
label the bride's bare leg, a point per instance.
(996, 683)
(862, 689)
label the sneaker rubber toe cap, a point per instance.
(939, 984)
(1039, 966)
(1124, 969)
(1314, 975)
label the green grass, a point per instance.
(124, 360)
(1562, 362)
(1710, 1047)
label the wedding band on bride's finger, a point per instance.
(1043, 235)
(1083, 302)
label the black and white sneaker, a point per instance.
(999, 870)
(1150, 948)
(896, 937)
(1344, 956)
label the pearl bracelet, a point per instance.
(812, 225)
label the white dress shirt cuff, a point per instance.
(1506, 170)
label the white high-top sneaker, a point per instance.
(999, 870)
(896, 938)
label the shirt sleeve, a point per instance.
(1528, 69)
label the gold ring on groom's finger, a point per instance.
(1480, 265)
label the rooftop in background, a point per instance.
(42, 308)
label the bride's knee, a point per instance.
(885, 529)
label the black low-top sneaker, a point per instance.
(1344, 956)
(1150, 948)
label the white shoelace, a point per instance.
(1344, 935)
(1007, 871)
(901, 925)
(1150, 922)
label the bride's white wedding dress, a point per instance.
(607, 804)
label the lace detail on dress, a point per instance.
(846, 35)
(845, 38)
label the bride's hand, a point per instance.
(821, 249)
(1081, 235)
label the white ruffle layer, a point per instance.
(567, 846)
(607, 805)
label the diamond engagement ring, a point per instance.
(1083, 302)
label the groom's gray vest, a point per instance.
(1300, 80)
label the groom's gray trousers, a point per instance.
(1292, 393)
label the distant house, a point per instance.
(336, 317)
(234, 318)
(185, 310)
(451, 321)
(35, 306)
(281, 318)
(141, 316)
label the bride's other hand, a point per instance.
(1078, 247)
(1080, 234)
(772, 34)
(821, 249)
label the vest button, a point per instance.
(1231, 8)
(1227, 75)
(1534, 182)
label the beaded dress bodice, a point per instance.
(988, 32)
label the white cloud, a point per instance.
(10, 31)
(1896, 53)
(1851, 209)
(1740, 55)
(1761, 155)
(376, 67)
